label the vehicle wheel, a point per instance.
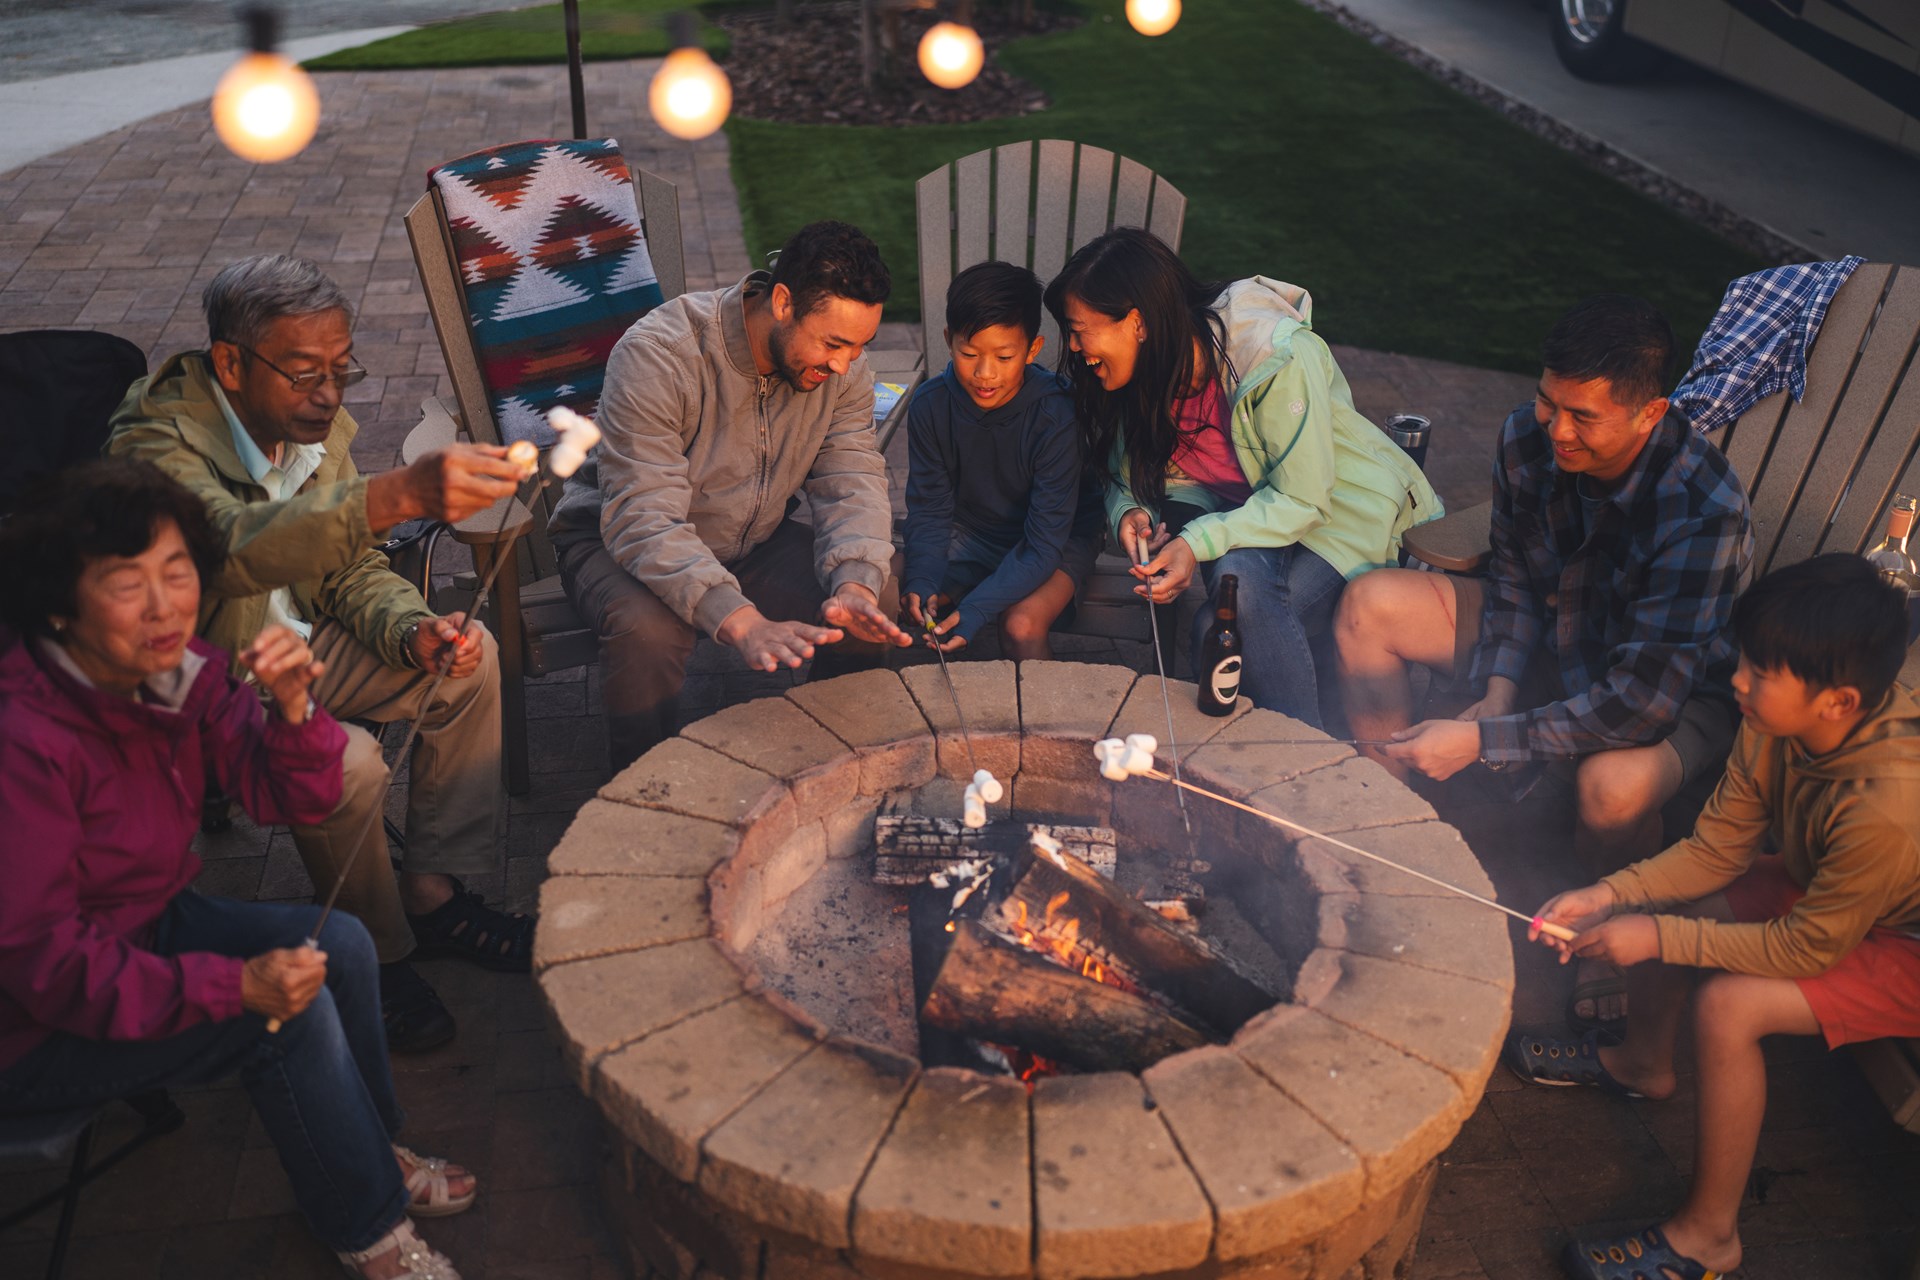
(1590, 37)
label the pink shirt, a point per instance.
(1203, 453)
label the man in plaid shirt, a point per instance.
(1597, 642)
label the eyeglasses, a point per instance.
(308, 383)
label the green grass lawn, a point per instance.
(1422, 222)
(608, 29)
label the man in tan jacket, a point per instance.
(254, 426)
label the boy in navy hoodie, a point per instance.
(994, 516)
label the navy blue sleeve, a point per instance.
(930, 473)
(1051, 505)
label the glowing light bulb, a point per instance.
(951, 55)
(1153, 17)
(690, 96)
(265, 108)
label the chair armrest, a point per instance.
(1456, 542)
(907, 368)
(439, 426)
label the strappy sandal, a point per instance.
(466, 928)
(422, 1260)
(1550, 1060)
(431, 1174)
(1645, 1255)
(1594, 991)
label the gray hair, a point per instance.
(252, 293)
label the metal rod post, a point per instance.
(575, 82)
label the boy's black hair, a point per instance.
(1622, 339)
(993, 293)
(831, 260)
(1832, 621)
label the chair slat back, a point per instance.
(1032, 204)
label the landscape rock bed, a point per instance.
(749, 1136)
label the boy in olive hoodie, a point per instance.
(1821, 937)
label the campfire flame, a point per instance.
(1058, 936)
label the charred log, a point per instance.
(907, 848)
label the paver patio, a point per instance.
(122, 232)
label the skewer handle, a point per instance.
(1553, 930)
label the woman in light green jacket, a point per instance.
(1233, 447)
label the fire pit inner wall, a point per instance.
(737, 999)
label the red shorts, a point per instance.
(1873, 992)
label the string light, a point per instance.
(951, 55)
(265, 108)
(1153, 17)
(690, 95)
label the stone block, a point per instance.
(1258, 749)
(1350, 796)
(1453, 935)
(792, 865)
(1086, 803)
(1395, 1113)
(737, 902)
(951, 1186)
(1432, 847)
(1376, 1237)
(600, 1004)
(1112, 1195)
(1144, 712)
(820, 791)
(692, 1226)
(686, 778)
(896, 766)
(945, 798)
(864, 709)
(784, 1263)
(849, 829)
(1274, 1174)
(769, 734)
(667, 1090)
(792, 1157)
(1147, 814)
(585, 916)
(1061, 759)
(1071, 699)
(998, 753)
(1450, 1022)
(618, 839)
(989, 699)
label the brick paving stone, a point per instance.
(1452, 935)
(1431, 847)
(1274, 1174)
(990, 702)
(606, 838)
(610, 1001)
(1111, 1192)
(865, 709)
(793, 1156)
(686, 778)
(769, 734)
(952, 1186)
(1348, 796)
(732, 1051)
(586, 916)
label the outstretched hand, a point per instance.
(855, 610)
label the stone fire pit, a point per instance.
(749, 1136)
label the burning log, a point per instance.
(907, 848)
(998, 991)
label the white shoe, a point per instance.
(421, 1260)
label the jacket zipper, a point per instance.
(760, 481)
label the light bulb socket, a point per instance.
(263, 27)
(682, 30)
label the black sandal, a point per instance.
(1645, 1255)
(1550, 1060)
(466, 928)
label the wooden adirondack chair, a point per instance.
(537, 628)
(1034, 204)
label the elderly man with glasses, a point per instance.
(254, 427)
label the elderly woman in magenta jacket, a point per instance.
(115, 975)
(1232, 447)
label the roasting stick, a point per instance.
(576, 439)
(1173, 745)
(965, 733)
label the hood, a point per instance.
(180, 392)
(1260, 314)
(1038, 382)
(1886, 745)
(36, 676)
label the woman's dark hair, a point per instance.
(109, 507)
(993, 293)
(1832, 621)
(1620, 338)
(1128, 269)
(831, 260)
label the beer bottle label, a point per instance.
(1224, 680)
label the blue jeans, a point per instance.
(321, 1085)
(1287, 595)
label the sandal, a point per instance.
(422, 1260)
(1596, 990)
(1645, 1255)
(466, 928)
(431, 1174)
(1551, 1061)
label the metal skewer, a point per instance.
(1173, 747)
(973, 765)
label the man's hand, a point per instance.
(435, 638)
(855, 610)
(1576, 909)
(1167, 574)
(281, 664)
(1502, 694)
(768, 645)
(1622, 941)
(1437, 748)
(281, 984)
(448, 484)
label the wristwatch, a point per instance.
(407, 638)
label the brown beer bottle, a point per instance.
(1220, 651)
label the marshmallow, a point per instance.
(525, 455)
(988, 786)
(578, 435)
(974, 809)
(1122, 760)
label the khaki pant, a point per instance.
(453, 794)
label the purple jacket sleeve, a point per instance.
(280, 772)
